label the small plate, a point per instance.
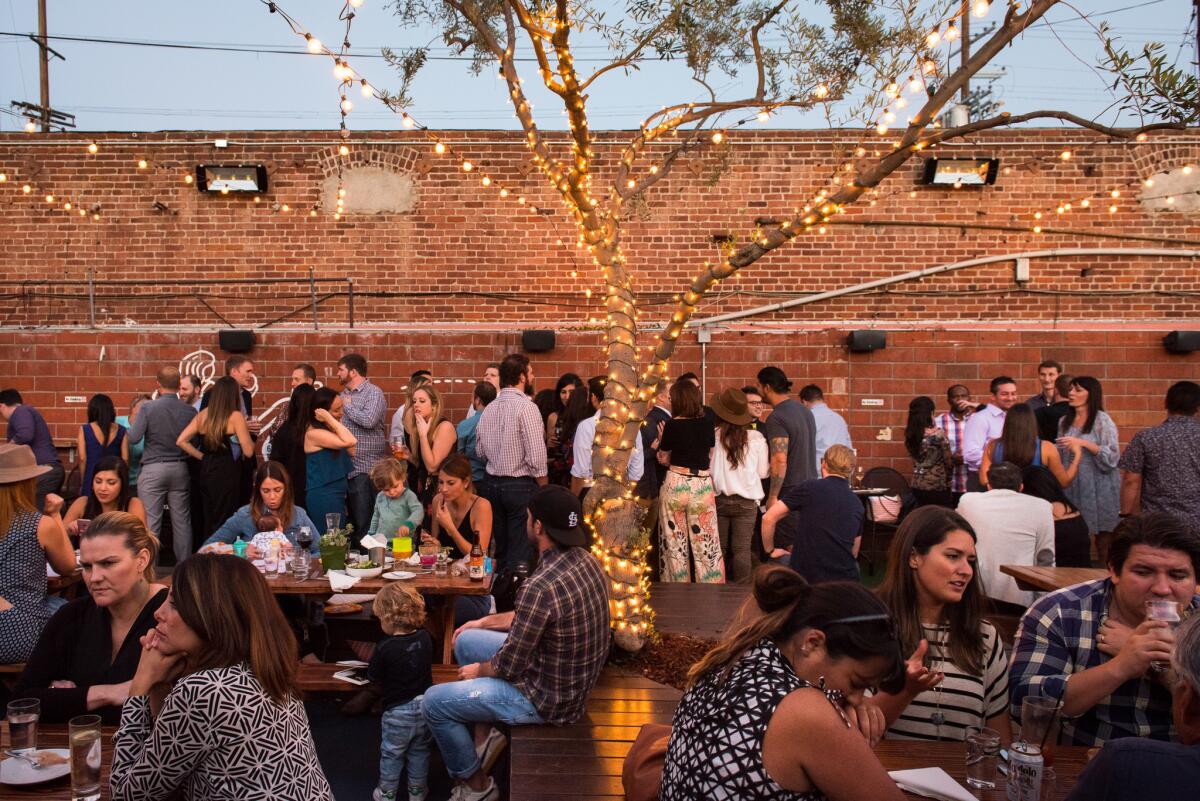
(399, 575)
(17, 771)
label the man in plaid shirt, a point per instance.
(533, 665)
(952, 424)
(1091, 646)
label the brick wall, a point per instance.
(449, 282)
(1131, 364)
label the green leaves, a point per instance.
(1152, 88)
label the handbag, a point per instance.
(641, 775)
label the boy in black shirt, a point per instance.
(400, 667)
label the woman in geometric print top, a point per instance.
(957, 675)
(213, 710)
(770, 705)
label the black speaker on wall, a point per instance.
(866, 341)
(235, 340)
(537, 340)
(1182, 341)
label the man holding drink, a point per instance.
(1097, 648)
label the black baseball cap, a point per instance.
(560, 513)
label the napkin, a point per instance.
(371, 541)
(931, 783)
(340, 581)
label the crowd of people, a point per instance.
(755, 486)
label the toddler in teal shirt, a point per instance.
(398, 511)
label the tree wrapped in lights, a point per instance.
(870, 63)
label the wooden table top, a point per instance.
(426, 583)
(56, 584)
(1048, 579)
(1069, 762)
(55, 736)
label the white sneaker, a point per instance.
(464, 793)
(491, 749)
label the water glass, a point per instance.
(333, 520)
(300, 566)
(441, 567)
(85, 738)
(1168, 612)
(23, 715)
(983, 757)
(1039, 726)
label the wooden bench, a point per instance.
(584, 760)
(319, 678)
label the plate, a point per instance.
(17, 771)
(399, 575)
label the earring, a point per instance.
(820, 682)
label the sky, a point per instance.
(122, 87)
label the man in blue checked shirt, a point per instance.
(1091, 646)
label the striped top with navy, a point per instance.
(962, 699)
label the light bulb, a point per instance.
(314, 44)
(27, 189)
(439, 148)
(346, 105)
(141, 164)
(821, 91)
(467, 166)
(30, 126)
(407, 121)
(67, 205)
(717, 138)
(366, 88)
(357, 3)
(49, 198)
(979, 8)
(764, 116)
(93, 148)
(1065, 155)
(933, 37)
(3, 177)
(951, 32)
(485, 181)
(187, 179)
(343, 150)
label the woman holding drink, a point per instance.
(459, 518)
(89, 650)
(430, 440)
(224, 440)
(213, 708)
(328, 446)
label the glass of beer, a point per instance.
(85, 757)
(399, 449)
(23, 715)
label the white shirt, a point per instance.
(831, 430)
(585, 432)
(1011, 529)
(746, 480)
(981, 427)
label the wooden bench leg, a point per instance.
(448, 629)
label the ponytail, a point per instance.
(855, 622)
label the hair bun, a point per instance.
(777, 587)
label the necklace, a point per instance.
(938, 717)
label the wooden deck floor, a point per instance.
(583, 761)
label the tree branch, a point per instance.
(635, 52)
(758, 62)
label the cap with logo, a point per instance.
(560, 513)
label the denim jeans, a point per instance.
(478, 645)
(509, 498)
(404, 743)
(451, 709)
(360, 499)
(735, 525)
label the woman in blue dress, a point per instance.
(102, 436)
(328, 446)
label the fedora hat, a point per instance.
(17, 463)
(731, 406)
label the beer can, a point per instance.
(1024, 772)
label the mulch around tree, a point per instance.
(666, 658)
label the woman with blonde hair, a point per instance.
(213, 708)
(224, 440)
(28, 540)
(430, 439)
(76, 668)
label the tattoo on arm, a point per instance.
(776, 486)
(779, 445)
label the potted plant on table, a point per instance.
(334, 543)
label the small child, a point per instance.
(398, 511)
(401, 668)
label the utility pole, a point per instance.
(44, 65)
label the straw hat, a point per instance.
(731, 406)
(17, 463)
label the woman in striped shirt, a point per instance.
(957, 675)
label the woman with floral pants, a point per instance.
(688, 506)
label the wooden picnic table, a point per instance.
(58, 584)
(1048, 579)
(55, 736)
(449, 587)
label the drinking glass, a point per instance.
(441, 567)
(399, 449)
(1039, 726)
(354, 557)
(983, 757)
(300, 566)
(429, 552)
(81, 526)
(401, 548)
(23, 715)
(333, 520)
(304, 538)
(85, 757)
(1168, 612)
